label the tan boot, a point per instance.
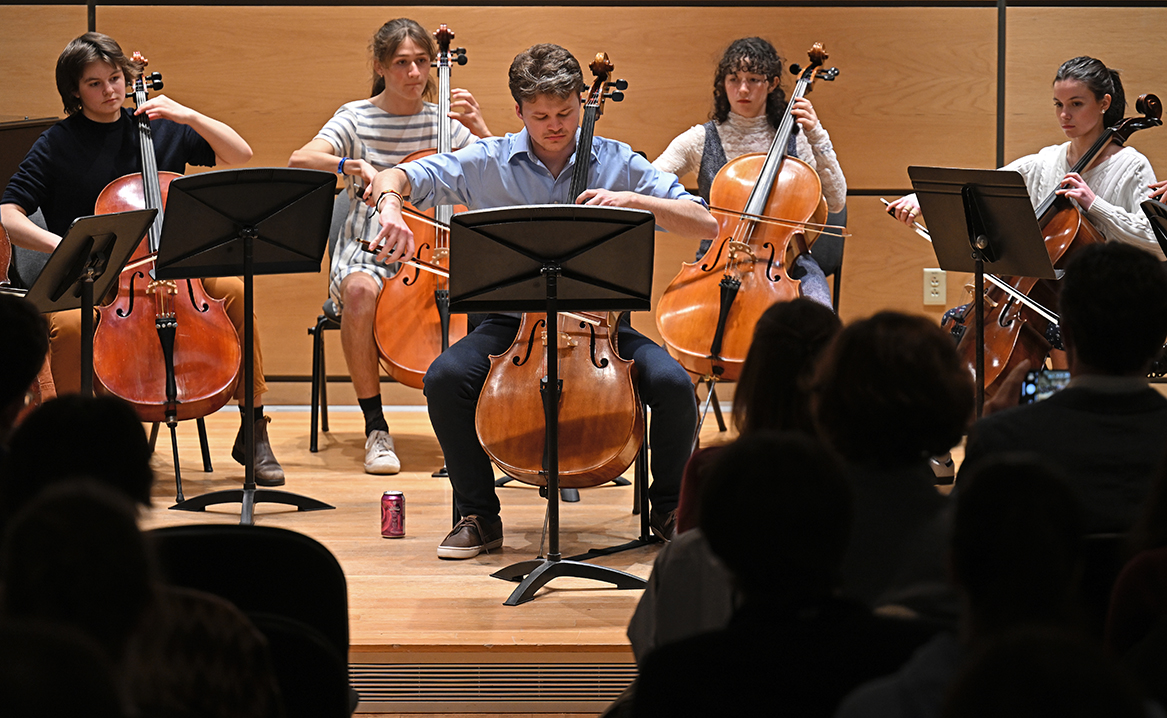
(268, 471)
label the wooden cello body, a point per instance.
(1013, 331)
(599, 409)
(413, 324)
(707, 315)
(165, 346)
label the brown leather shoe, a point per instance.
(472, 536)
(268, 471)
(663, 524)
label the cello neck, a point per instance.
(756, 203)
(601, 90)
(444, 212)
(151, 187)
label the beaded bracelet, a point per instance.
(395, 193)
(340, 167)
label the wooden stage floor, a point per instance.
(429, 635)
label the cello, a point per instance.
(598, 404)
(707, 315)
(165, 346)
(1014, 329)
(412, 324)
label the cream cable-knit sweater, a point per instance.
(742, 135)
(1120, 183)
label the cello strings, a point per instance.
(833, 229)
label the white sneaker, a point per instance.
(379, 455)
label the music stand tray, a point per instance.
(552, 258)
(982, 219)
(264, 220)
(85, 265)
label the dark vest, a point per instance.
(713, 158)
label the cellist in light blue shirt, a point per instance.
(533, 167)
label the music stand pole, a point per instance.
(982, 219)
(231, 222)
(496, 256)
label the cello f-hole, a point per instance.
(530, 343)
(603, 363)
(130, 309)
(720, 249)
(770, 273)
(201, 308)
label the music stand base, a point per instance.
(248, 498)
(533, 574)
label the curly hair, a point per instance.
(758, 56)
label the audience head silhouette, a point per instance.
(1113, 306)
(24, 334)
(74, 556)
(795, 552)
(106, 442)
(890, 390)
(773, 390)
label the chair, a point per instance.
(312, 676)
(266, 570)
(330, 319)
(828, 252)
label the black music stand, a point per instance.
(265, 220)
(86, 264)
(979, 219)
(552, 258)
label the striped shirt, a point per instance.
(361, 130)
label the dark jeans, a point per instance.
(456, 377)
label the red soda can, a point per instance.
(393, 514)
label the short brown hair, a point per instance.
(78, 54)
(891, 390)
(545, 70)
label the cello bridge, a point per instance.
(440, 253)
(990, 303)
(565, 340)
(736, 247)
(162, 286)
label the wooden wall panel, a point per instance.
(31, 37)
(1040, 39)
(277, 73)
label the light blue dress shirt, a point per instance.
(504, 172)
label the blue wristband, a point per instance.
(340, 167)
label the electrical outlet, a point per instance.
(935, 287)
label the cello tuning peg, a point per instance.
(828, 74)
(795, 69)
(616, 96)
(154, 79)
(621, 84)
(461, 60)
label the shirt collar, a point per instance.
(521, 145)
